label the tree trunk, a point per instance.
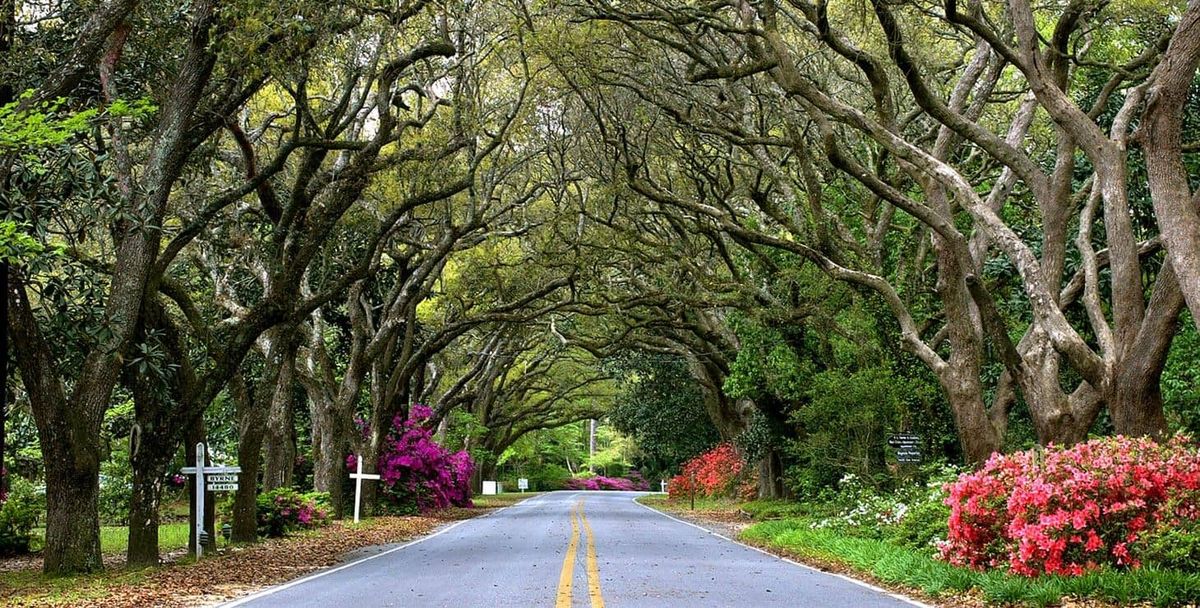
(978, 435)
(280, 446)
(1175, 206)
(770, 476)
(1134, 397)
(149, 464)
(250, 438)
(1135, 401)
(72, 509)
(331, 444)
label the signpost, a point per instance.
(219, 479)
(662, 485)
(908, 447)
(522, 484)
(358, 478)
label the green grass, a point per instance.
(115, 539)
(915, 569)
(703, 503)
(501, 500)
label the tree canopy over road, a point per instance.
(798, 226)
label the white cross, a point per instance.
(663, 485)
(200, 471)
(358, 479)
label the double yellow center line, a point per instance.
(565, 578)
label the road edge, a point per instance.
(849, 579)
(304, 579)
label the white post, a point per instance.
(663, 486)
(199, 500)
(357, 488)
(358, 477)
(200, 471)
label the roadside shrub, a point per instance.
(548, 477)
(600, 482)
(19, 513)
(1071, 510)
(285, 510)
(417, 473)
(1173, 545)
(713, 473)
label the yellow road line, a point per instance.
(593, 568)
(563, 598)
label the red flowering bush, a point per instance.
(417, 473)
(1070, 510)
(713, 473)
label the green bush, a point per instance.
(116, 486)
(1174, 546)
(925, 523)
(285, 510)
(18, 515)
(547, 477)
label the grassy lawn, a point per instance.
(915, 569)
(501, 500)
(115, 539)
(703, 503)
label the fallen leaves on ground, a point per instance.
(234, 572)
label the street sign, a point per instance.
(908, 447)
(904, 439)
(222, 475)
(522, 484)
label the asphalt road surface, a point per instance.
(578, 549)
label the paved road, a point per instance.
(576, 549)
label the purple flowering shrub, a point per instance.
(285, 510)
(417, 474)
(632, 482)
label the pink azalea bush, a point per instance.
(1071, 510)
(419, 474)
(634, 482)
(285, 510)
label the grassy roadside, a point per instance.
(507, 499)
(917, 573)
(235, 571)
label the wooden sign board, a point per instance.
(221, 487)
(908, 447)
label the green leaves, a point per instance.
(16, 245)
(25, 124)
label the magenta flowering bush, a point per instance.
(285, 510)
(1071, 510)
(417, 473)
(634, 482)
